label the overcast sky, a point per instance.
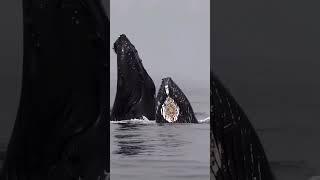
(171, 36)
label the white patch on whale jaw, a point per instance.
(170, 110)
(167, 89)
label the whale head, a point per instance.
(172, 105)
(129, 64)
(135, 95)
(123, 46)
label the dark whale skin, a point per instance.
(61, 129)
(236, 151)
(135, 95)
(186, 114)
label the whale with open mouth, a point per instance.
(172, 105)
(236, 151)
(135, 96)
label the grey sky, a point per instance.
(171, 36)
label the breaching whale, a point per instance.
(61, 129)
(135, 96)
(236, 151)
(172, 105)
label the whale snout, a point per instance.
(167, 81)
(123, 45)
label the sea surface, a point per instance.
(142, 149)
(180, 151)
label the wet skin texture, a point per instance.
(170, 89)
(236, 151)
(61, 129)
(135, 96)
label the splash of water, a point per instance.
(145, 120)
(205, 120)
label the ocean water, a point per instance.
(143, 149)
(146, 150)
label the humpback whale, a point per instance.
(135, 96)
(172, 105)
(236, 151)
(61, 128)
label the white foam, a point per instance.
(143, 120)
(206, 120)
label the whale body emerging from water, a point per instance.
(135, 96)
(61, 130)
(172, 104)
(236, 151)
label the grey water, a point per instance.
(152, 151)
